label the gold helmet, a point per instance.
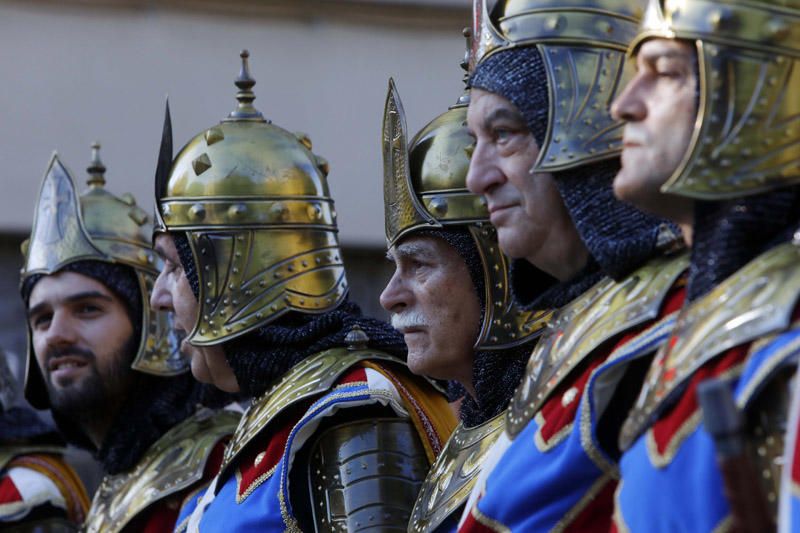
(747, 134)
(254, 203)
(97, 226)
(583, 45)
(425, 188)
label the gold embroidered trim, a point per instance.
(576, 509)
(724, 526)
(660, 460)
(587, 442)
(619, 520)
(488, 522)
(555, 440)
(257, 482)
(766, 368)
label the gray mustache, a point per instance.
(409, 319)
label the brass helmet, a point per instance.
(254, 203)
(747, 133)
(583, 45)
(97, 226)
(425, 188)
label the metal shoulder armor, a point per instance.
(173, 463)
(453, 475)
(365, 475)
(755, 301)
(308, 378)
(607, 309)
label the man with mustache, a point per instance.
(38, 489)
(711, 141)
(107, 367)
(544, 160)
(449, 296)
(339, 434)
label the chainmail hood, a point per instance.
(728, 234)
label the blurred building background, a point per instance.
(75, 71)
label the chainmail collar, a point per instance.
(495, 377)
(728, 234)
(267, 353)
(156, 406)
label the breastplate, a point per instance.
(756, 300)
(173, 463)
(607, 309)
(453, 475)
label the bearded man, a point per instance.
(449, 296)
(38, 488)
(711, 141)
(339, 434)
(107, 367)
(615, 271)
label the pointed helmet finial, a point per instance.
(96, 168)
(244, 82)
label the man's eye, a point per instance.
(502, 134)
(89, 308)
(41, 320)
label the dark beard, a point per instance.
(95, 395)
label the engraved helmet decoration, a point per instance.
(96, 225)
(254, 202)
(747, 133)
(583, 45)
(425, 188)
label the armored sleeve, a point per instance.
(365, 475)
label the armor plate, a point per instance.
(607, 309)
(366, 474)
(757, 300)
(173, 463)
(453, 475)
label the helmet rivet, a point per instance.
(439, 206)
(314, 212)
(201, 164)
(214, 135)
(236, 211)
(197, 212)
(279, 212)
(552, 23)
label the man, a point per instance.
(38, 489)
(728, 167)
(449, 296)
(108, 367)
(616, 283)
(339, 434)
